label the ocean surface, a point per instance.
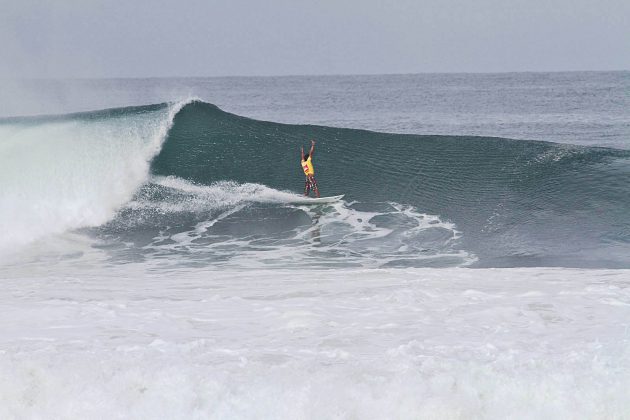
(153, 264)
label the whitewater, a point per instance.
(152, 264)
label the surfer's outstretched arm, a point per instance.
(302, 152)
(312, 148)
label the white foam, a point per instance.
(66, 174)
(338, 234)
(220, 194)
(376, 344)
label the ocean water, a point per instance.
(153, 264)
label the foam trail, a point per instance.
(248, 225)
(62, 174)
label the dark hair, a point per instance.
(306, 156)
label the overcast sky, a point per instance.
(139, 38)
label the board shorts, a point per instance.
(310, 184)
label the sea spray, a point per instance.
(62, 174)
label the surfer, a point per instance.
(309, 172)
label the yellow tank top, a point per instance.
(307, 167)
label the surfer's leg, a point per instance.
(315, 187)
(307, 186)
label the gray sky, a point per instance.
(137, 38)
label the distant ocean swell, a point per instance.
(191, 180)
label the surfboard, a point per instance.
(320, 200)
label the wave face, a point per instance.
(516, 203)
(218, 191)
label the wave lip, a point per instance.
(65, 173)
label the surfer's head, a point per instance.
(306, 156)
